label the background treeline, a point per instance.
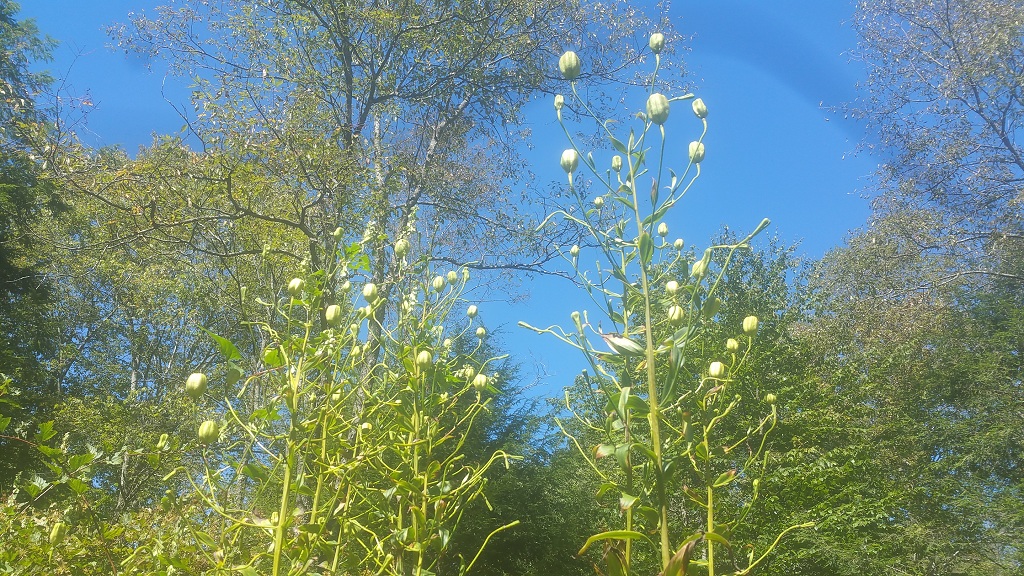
(898, 358)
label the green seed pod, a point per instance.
(559, 101)
(570, 160)
(574, 251)
(402, 248)
(437, 283)
(208, 432)
(424, 359)
(676, 315)
(333, 315)
(698, 269)
(700, 109)
(616, 163)
(696, 152)
(452, 277)
(481, 332)
(657, 108)
(57, 533)
(657, 42)
(671, 287)
(471, 311)
(195, 386)
(295, 287)
(599, 202)
(711, 307)
(770, 398)
(716, 370)
(345, 286)
(480, 381)
(663, 229)
(569, 65)
(732, 345)
(678, 244)
(750, 325)
(370, 292)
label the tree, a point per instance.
(944, 97)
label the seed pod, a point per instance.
(750, 325)
(559, 101)
(345, 286)
(696, 152)
(569, 65)
(732, 345)
(424, 359)
(480, 381)
(481, 332)
(716, 370)
(678, 244)
(195, 386)
(599, 202)
(663, 229)
(402, 248)
(698, 269)
(770, 398)
(657, 108)
(208, 432)
(337, 233)
(671, 287)
(452, 277)
(676, 315)
(616, 163)
(711, 307)
(370, 292)
(574, 251)
(471, 311)
(700, 109)
(57, 533)
(333, 315)
(437, 283)
(570, 160)
(295, 287)
(657, 42)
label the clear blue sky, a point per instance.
(768, 73)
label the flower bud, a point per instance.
(671, 287)
(696, 152)
(676, 315)
(437, 283)
(162, 442)
(711, 307)
(770, 398)
(657, 42)
(333, 315)
(481, 332)
(447, 343)
(471, 311)
(423, 359)
(569, 65)
(616, 163)
(370, 292)
(480, 381)
(663, 229)
(559, 101)
(599, 202)
(295, 287)
(57, 533)
(657, 108)
(195, 386)
(337, 233)
(208, 432)
(700, 109)
(716, 370)
(345, 286)
(698, 269)
(402, 248)
(452, 277)
(356, 350)
(732, 345)
(574, 251)
(678, 244)
(750, 325)
(570, 160)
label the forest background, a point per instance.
(896, 355)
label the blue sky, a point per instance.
(768, 72)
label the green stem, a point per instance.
(711, 528)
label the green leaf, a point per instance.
(4, 422)
(228, 349)
(45, 432)
(205, 539)
(78, 486)
(626, 501)
(617, 144)
(614, 535)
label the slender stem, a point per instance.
(711, 528)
